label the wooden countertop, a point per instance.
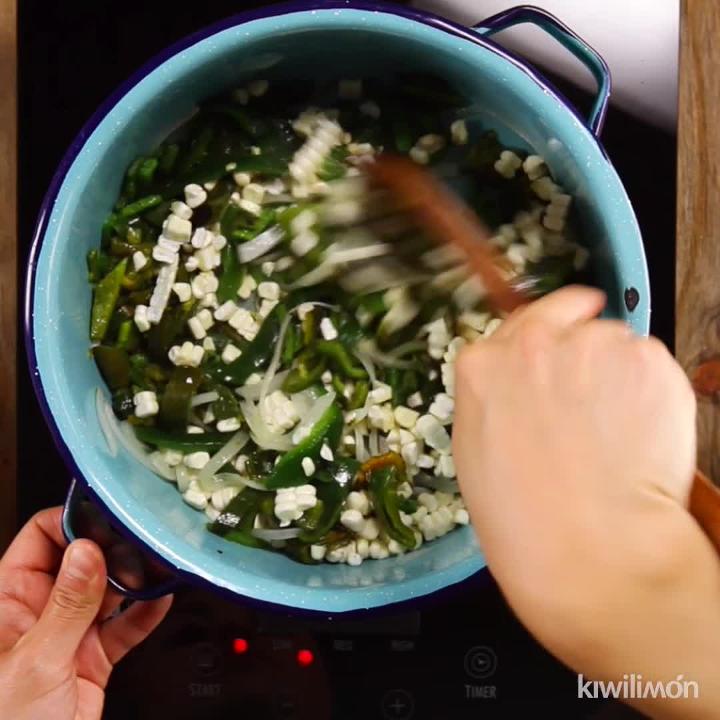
(8, 269)
(697, 321)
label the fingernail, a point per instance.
(80, 562)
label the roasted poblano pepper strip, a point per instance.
(146, 171)
(113, 364)
(291, 345)
(128, 336)
(403, 384)
(99, 265)
(340, 357)
(333, 167)
(383, 486)
(139, 207)
(240, 513)
(289, 472)
(233, 273)
(359, 395)
(161, 337)
(226, 406)
(243, 537)
(308, 371)
(256, 356)
(168, 157)
(122, 403)
(175, 400)
(185, 442)
(106, 295)
(332, 495)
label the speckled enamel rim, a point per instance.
(302, 598)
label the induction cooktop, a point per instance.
(458, 654)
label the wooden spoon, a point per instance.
(450, 221)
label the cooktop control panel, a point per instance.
(461, 656)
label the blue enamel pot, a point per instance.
(328, 38)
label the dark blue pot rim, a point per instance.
(78, 143)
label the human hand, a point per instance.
(58, 643)
(574, 442)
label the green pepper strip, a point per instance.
(359, 395)
(146, 171)
(256, 356)
(161, 337)
(139, 206)
(226, 406)
(240, 513)
(332, 495)
(383, 487)
(292, 344)
(340, 356)
(128, 336)
(309, 329)
(233, 273)
(168, 157)
(185, 442)
(106, 296)
(175, 400)
(289, 472)
(114, 365)
(305, 374)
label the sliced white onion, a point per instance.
(366, 361)
(342, 256)
(263, 243)
(368, 351)
(249, 482)
(318, 408)
(315, 276)
(408, 347)
(252, 392)
(373, 444)
(279, 534)
(277, 199)
(275, 360)
(401, 313)
(303, 401)
(382, 274)
(129, 441)
(228, 451)
(261, 433)
(360, 452)
(160, 467)
(204, 398)
(106, 422)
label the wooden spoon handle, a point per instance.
(449, 220)
(705, 506)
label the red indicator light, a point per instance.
(240, 646)
(305, 658)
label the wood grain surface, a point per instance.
(8, 269)
(697, 328)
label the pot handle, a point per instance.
(569, 40)
(73, 500)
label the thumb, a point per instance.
(73, 604)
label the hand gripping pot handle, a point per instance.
(76, 514)
(569, 40)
